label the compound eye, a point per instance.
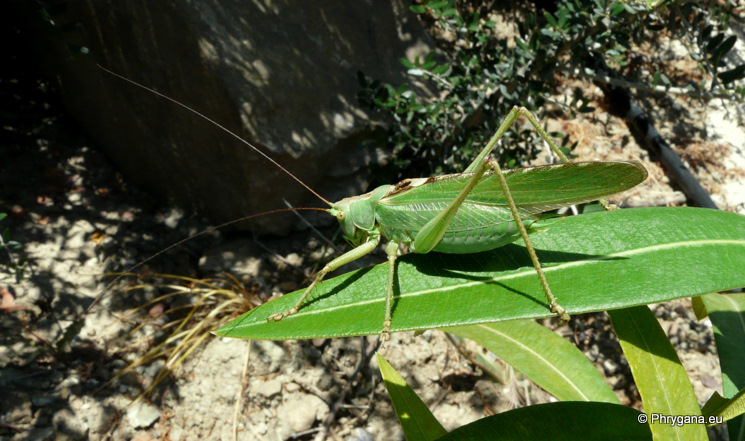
(341, 215)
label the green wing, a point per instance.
(535, 189)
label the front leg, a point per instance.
(344, 259)
(392, 250)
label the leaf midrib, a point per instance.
(545, 361)
(523, 272)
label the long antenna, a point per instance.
(111, 284)
(225, 129)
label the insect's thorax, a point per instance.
(483, 222)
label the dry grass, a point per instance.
(199, 307)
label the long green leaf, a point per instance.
(727, 314)
(722, 407)
(417, 421)
(660, 377)
(569, 421)
(549, 360)
(594, 262)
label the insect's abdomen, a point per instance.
(474, 228)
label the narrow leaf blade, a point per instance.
(417, 421)
(546, 358)
(561, 421)
(727, 314)
(727, 409)
(594, 262)
(660, 377)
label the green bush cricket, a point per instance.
(481, 209)
(470, 212)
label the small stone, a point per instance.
(360, 434)
(143, 436)
(66, 422)
(142, 415)
(288, 286)
(177, 432)
(268, 388)
(709, 381)
(43, 401)
(325, 382)
(21, 413)
(301, 411)
(294, 259)
(64, 394)
(427, 336)
(610, 367)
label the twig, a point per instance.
(702, 94)
(3, 245)
(239, 400)
(365, 355)
(648, 137)
(474, 358)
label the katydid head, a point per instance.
(356, 215)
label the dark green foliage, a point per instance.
(481, 70)
(7, 248)
(51, 13)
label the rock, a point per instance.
(235, 257)
(41, 434)
(282, 74)
(325, 383)
(709, 381)
(360, 434)
(610, 366)
(301, 411)
(66, 422)
(99, 417)
(269, 353)
(266, 388)
(16, 408)
(142, 415)
(44, 400)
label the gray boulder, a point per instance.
(282, 74)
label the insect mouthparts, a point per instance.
(339, 214)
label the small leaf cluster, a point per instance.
(49, 12)
(711, 46)
(459, 93)
(7, 247)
